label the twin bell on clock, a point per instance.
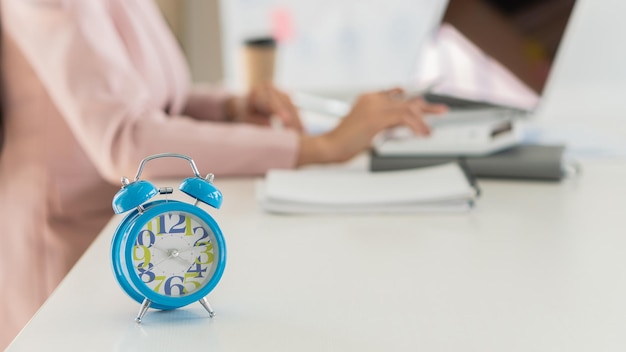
(167, 253)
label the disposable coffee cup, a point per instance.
(260, 58)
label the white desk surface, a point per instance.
(535, 267)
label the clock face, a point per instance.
(174, 254)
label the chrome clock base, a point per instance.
(146, 304)
(142, 311)
(207, 306)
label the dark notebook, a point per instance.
(541, 162)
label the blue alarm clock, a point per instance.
(166, 253)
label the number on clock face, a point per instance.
(173, 254)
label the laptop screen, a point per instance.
(501, 51)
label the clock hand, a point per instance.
(182, 251)
(194, 247)
(172, 253)
(160, 249)
(175, 254)
(185, 261)
(157, 264)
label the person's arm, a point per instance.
(206, 102)
(263, 102)
(371, 114)
(76, 51)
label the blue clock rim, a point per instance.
(118, 269)
(151, 211)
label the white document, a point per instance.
(442, 188)
(456, 138)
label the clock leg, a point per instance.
(142, 311)
(207, 306)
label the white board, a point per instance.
(331, 45)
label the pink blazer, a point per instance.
(91, 88)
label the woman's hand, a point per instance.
(371, 114)
(263, 102)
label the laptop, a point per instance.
(491, 74)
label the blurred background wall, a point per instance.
(196, 24)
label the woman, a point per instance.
(94, 86)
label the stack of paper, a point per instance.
(443, 188)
